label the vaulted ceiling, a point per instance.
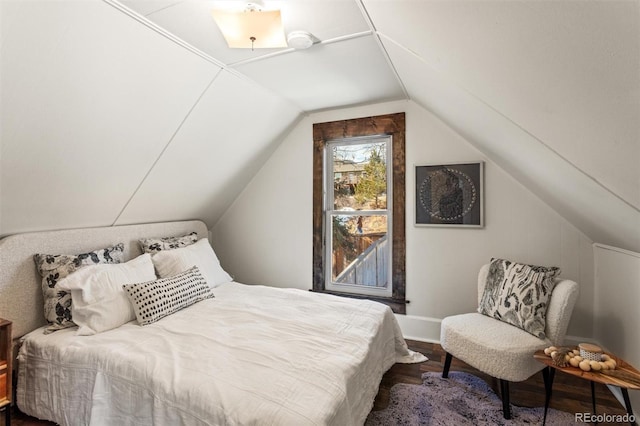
(346, 66)
(550, 91)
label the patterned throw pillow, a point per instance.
(53, 268)
(518, 294)
(154, 245)
(154, 300)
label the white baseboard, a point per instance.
(427, 329)
(422, 329)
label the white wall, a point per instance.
(617, 299)
(265, 237)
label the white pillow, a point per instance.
(200, 254)
(98, 301)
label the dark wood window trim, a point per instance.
(394, 126)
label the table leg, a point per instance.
(548, 374)
(593, 397)
(627, 403)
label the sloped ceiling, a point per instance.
(145, 96)
(105, 121)
(548, 90)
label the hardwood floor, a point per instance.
(569, 393)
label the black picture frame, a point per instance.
(450, 195)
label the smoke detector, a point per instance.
(299, 40)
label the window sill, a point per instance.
(397, 306)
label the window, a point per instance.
(358, 209)
(357, 213)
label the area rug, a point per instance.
(462, 399)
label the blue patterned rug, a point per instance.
(462, 399)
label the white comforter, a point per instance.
(254, 355)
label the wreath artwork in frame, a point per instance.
(450, 195)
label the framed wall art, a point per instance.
(450, 195)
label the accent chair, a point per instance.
(500, 349)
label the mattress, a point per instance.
(252, 355)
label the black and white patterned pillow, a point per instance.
(518, 294)
(53, 268)
(154, 245)
(154, 300)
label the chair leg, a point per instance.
(447, 365)
(7, 420)
(504, 390)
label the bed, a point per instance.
(249, 355)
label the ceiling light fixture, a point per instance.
(251, 28)
(300, 40)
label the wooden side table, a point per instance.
(624, 376)
(6, 354)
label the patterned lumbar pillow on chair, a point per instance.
(518, 294)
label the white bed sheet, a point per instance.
(254, 355)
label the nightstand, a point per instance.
(624, 376)
(6, 353)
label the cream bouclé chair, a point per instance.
(502, 350)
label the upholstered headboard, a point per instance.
(20, 283)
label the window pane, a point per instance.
(360, 176)
(360, 252)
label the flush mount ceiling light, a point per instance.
(300, 40)
(251, 27)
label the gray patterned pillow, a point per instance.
(518, 294)
(154, 245)
(53, 268)
(154, 300)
